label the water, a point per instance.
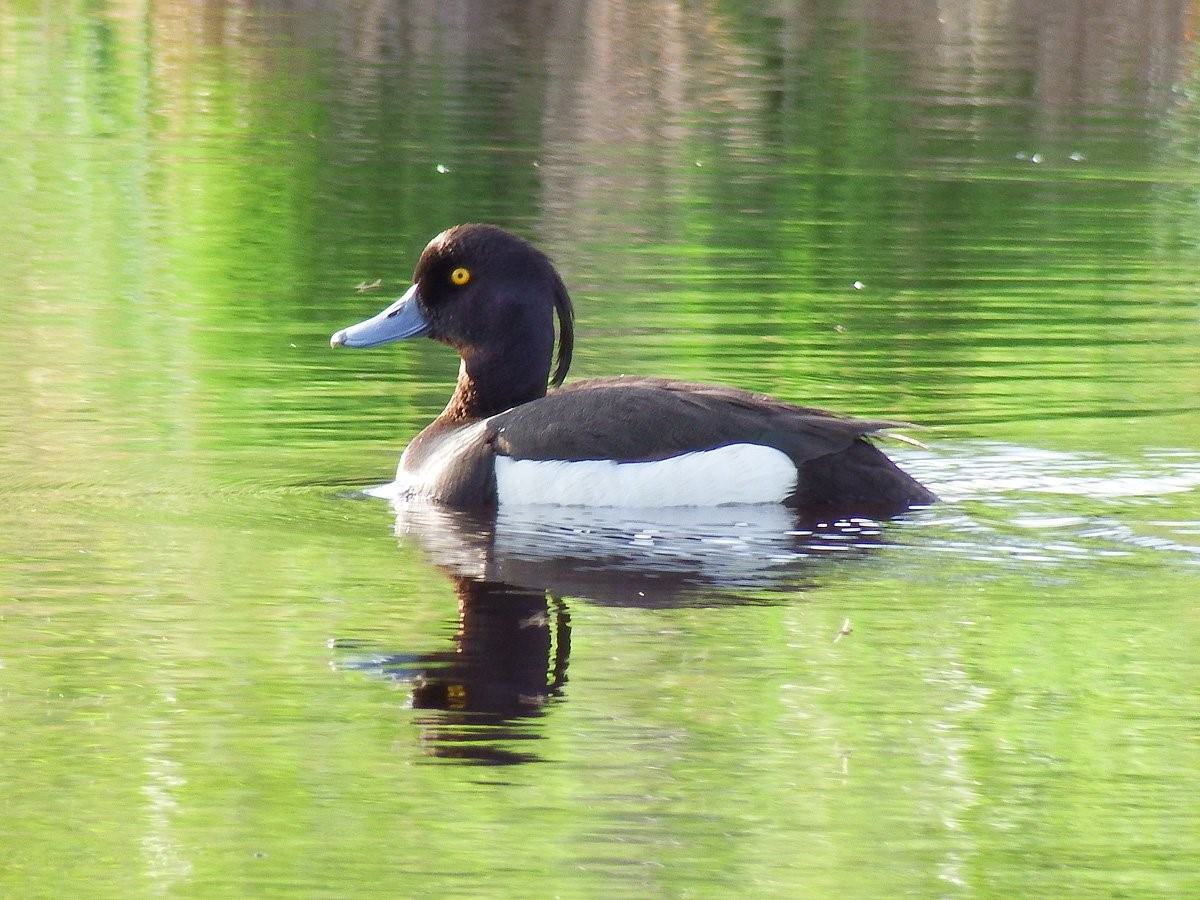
(227, 671)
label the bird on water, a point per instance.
(614, 441)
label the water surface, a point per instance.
(226, 671)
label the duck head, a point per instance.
(492, 297)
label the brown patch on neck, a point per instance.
(486, 392)
(465, 403)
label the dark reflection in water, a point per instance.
(508, 659)
(510, 654)
(510, 572)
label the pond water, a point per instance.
(226, 670)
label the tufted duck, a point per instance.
(623, 441)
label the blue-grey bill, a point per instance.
(403, 319)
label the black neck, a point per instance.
(490, 383)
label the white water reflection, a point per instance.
(986, 469)
(635, 556)
(1005, 501)
(1002, 504)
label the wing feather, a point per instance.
(640, 419)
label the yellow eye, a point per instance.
(460, 276)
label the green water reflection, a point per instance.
(223, 673)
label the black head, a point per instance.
(488, 294)
(482, 287)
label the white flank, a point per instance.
(738, 473)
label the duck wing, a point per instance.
(627, 419)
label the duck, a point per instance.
(514, 433)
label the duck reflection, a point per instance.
(666, 558)
(507, 660)
(509, 656)
(507, 663)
